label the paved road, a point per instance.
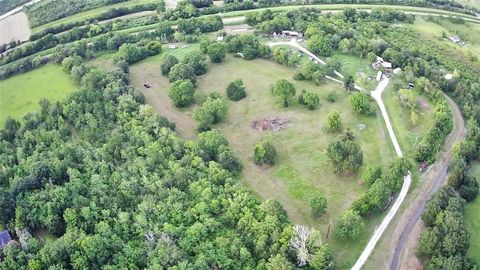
(432, 180)
(377, 96)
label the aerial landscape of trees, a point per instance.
(101, 181)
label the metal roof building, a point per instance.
(4, 239)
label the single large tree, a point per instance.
(285, 90)
(181, 93)
(217, 52)
(168, 62)
(350, 225)
(236, 90)
(182, 72)
(345, 154)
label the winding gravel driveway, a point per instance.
(377, 96)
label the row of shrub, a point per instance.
(109, 14)
(109, 41)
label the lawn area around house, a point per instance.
(470, 3)
(21, 93)
(302, 169)
(472, 218)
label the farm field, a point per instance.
(472, 218)
(14, 27)
(21, 93)
(89, 13)
(302, 169)
(470, 3)
(468, 32)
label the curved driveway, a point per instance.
(377, 96)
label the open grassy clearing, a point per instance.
(20, 94)
(470, 3)
(14, 27)
(302, 169)
(90, 13)
(472, 218)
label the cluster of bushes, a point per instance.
(211, 112)
(132, 53)
(43, 13)
(429, 145)
(382, 185)
(247, 46)
(264, 153)
(445, 241)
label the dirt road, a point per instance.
(408, 228)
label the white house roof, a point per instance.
(387, 65)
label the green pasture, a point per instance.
(20, 94)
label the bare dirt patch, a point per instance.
(274, 123)
(14, 27)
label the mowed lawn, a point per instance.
(20, 94)
(302, 169)
(472, 217)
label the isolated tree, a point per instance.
(350, 225)
(228, 160)
(168, 62)
(285, 90)
(181, 93)
(197, 61)
(345, 154)
(264, 153)
(318, 205)
(182, 72)
(236, 90)
(217, 52)
(360, 103)
(349, 83)
(331, 96)
(311, 100)
(334, 121)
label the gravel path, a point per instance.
(377, 96)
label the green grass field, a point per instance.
(468, 32)
(470, 3)
(90, 13)
(302, 169)
(21, 93)
(472, 217)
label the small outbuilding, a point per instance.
(172, 46)
(448, 76)
(219, 38)
(397, 71)
(289, 33)
(4, 239)
(455, 39)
